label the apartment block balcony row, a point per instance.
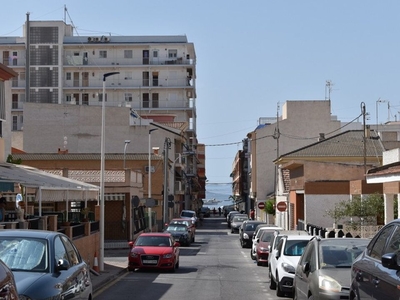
(138, 61)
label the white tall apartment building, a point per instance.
(157, 74)
(156, 79)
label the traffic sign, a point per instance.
(261, 205)
(281, 206)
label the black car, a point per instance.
(246, 232)
(324, 269)
(375, 273)
(181, 233)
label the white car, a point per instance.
(257, 234)
(283, 262)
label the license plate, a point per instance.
(150, 261)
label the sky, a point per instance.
(253, 56)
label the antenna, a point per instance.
(328, 89)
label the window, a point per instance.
(172, 53)
(14, 101)
(154, 100)
(146, 78)
(128, 53)
(146, 100)
(73, 254)
(68, 98)
(155, 53)
(59, 250)
(15, 123)
(128, 97)
(103, 54)
(68, 76)
(379, 244)
(101, 97)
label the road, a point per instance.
(214, 267)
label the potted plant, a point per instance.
(84, 212)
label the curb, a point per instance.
(108, 278)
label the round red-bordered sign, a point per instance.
(261, 205)
(281, 206)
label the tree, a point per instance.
(270, 207)
(362, 211)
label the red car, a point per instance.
(262, 249)
(155, 250)
(189, 224)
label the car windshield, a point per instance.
(153, 241)
(177, 228)
(249, 227)
(339, 256)
(294, 248)
(24, 254)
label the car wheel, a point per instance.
(177, 265)
(173, 269)
(279, 291)
(259, 263)
(272, 283)
(252, 255)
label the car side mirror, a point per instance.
(62, 264)
(177, 244)
(390, 261)
(305, 267)
(131, 243)
(258, 240)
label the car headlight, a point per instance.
(245, 236)
(327, 283)
(169, 255)
(134, 254)
(288, 268)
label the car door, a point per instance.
(302, 278)
(367, 269)
(387, 281)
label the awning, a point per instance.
(35, 178)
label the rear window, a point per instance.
(187, 214)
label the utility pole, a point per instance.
(364, 137)
(167, 146)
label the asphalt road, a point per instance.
(214, 267)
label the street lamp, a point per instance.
(126, 144)
(149, 184)
(103, 114)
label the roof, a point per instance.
(148, 39)
(346, 144)
(35, 178)
(386, 173)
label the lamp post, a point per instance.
(103, 114)
(126, 144)
(149, 183)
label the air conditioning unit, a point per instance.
(89, 39)
(96, 39)
(146, 168)
(106, 39)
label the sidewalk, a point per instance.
(114, 266)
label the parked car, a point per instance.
(45, 264)
(189, 214)
(278, 234)
(154, 250)
(284, 261)
(324, 269)
(189, 224)
(8, 287)
(257, 234)
(246, 232)
(237, 221)
(262, 248)
(205, 211)
(180, 232)
(375, 273)
(229, 217)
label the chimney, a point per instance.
(321, 137)
(156, 150)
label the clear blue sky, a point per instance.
(253, 54)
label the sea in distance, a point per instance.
(217, 195)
